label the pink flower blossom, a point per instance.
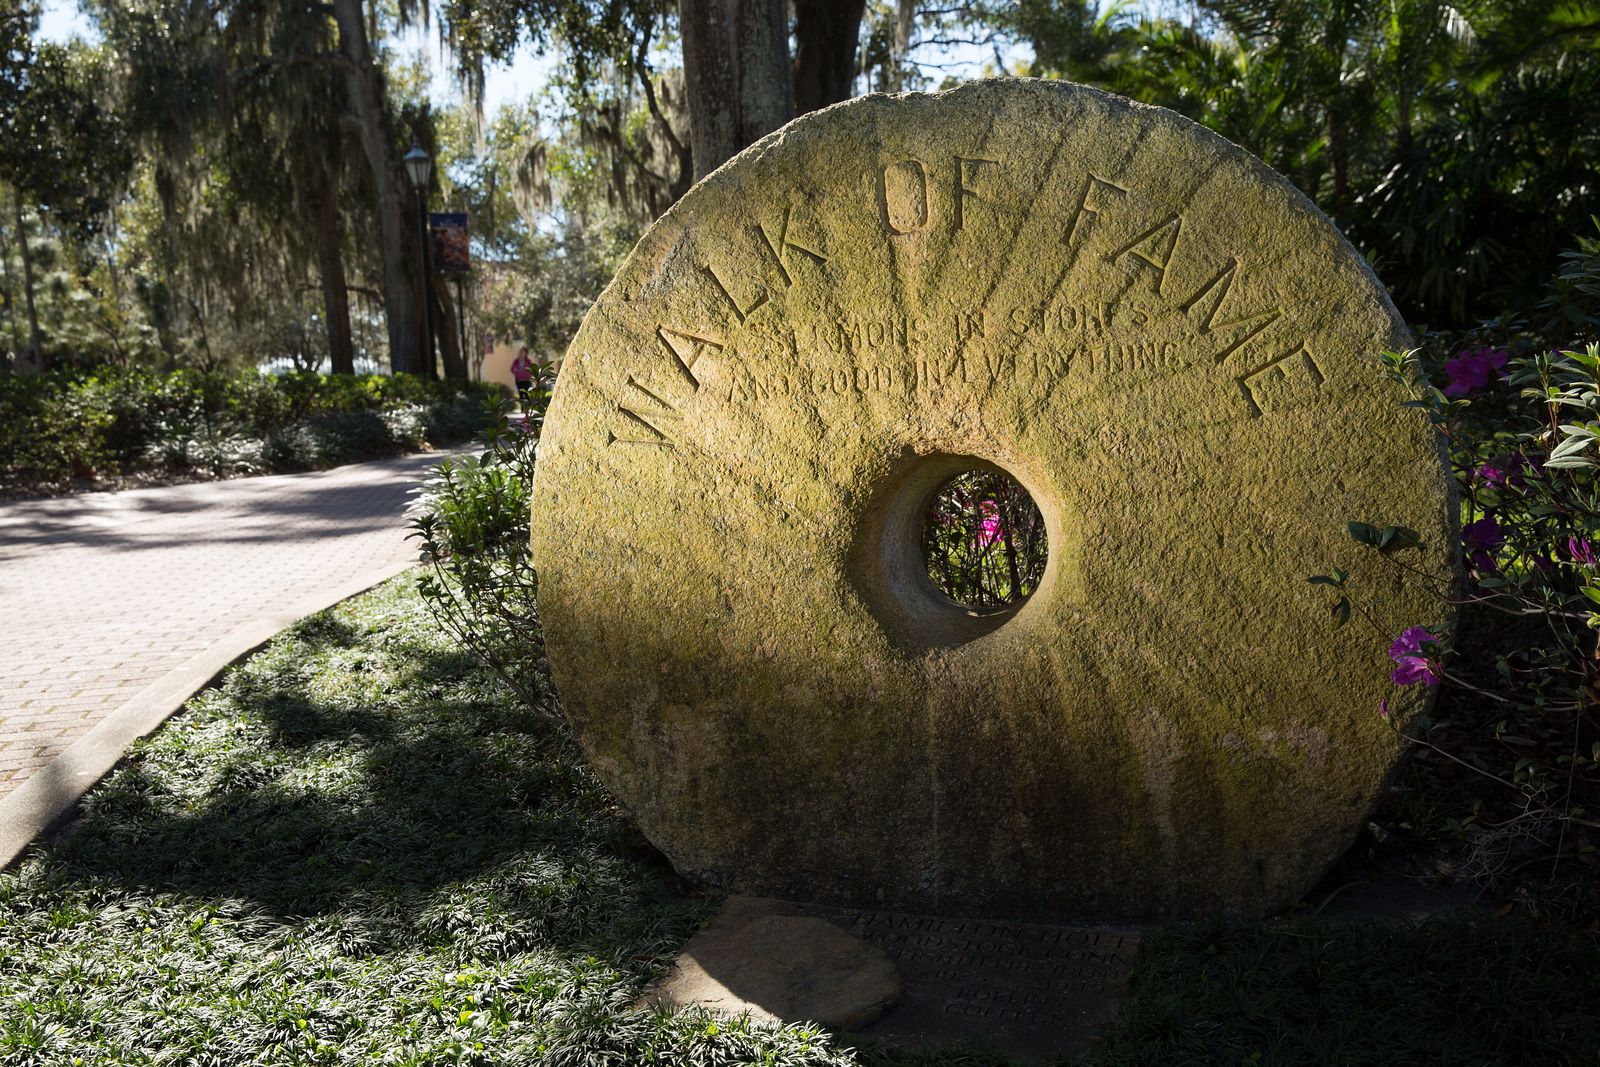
(1482, 538)
(1413, 663)
(1472, 370)
(989, 528)
(1582, 551)
(1505, 472)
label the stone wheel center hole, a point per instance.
(983, 541)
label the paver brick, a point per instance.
(105, 593)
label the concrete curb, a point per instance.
(49, 796)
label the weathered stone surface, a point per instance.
(1163, 341)
(757, 957)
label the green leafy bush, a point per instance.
(471, 520)
(984, 541)
(453, 419)
(347, 436)
(1519, 406)
(49, 433)
(75, 425)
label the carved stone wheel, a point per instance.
(1164, 342)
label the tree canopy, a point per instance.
(223, 182)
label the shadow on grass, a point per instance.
(363, 788)
(383, 786)
(1456, 990)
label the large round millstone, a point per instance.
(1161, 340)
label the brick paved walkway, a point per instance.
(103, 594)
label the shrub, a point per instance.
(472, 520)
(109, 422)
(456, 418)
(1522, 419)
(984, 541)
(48, 433)
(293, 448)
(350, 436)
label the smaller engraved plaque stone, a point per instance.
(1025, 989)
(1029, 990)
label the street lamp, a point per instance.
(418, 167)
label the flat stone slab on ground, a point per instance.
(1026, 989)
(757, 957)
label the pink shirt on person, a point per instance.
(522, 368)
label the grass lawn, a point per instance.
(360, 850)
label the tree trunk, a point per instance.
(766, 92)
(1339, 151)
(825, 33)
(34, 358)
(335, 298)
(370, 114)
(736, 70)
(711, 82)
(905, 18)
(445, 328)
(9, 300)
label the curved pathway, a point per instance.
(116, 607)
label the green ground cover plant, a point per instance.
(362, 848)
(359, 849)
(73, 429)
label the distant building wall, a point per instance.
(497, 364)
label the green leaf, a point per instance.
(1397, 538)
(1365, 534)
(1341, 612)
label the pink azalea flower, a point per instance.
(1412, 662)
(1482, 538)
(1505, 472)
(1472, 370)
(989, 528)
(1582, 551)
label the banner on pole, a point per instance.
(452, 254)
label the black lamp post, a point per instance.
(418, 167)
